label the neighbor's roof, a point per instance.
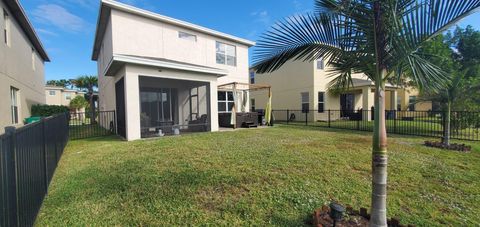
(51, 87)
(108, 5)
(19, 14)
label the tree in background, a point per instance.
(89, 84)
(379, 38)
(79, 102)
(61, 83)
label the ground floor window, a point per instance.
(14, 104)
(321, 102)
(225, 101)
(411, 103)
(252, 103)
(305, 102)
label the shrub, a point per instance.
(78, 102)
(48, 110)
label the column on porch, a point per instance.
(213, 105)
(132, 107)
(367, 103)
(393, 99)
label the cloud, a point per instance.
(262, 17)
(59, 17)
(46, 32)
(297, 5)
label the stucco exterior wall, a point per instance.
(17, 70)
(136, 35)
(60, 97)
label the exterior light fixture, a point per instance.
(336, 212)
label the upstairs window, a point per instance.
(305, 102)
(187, 36)
(321, 102)
(68, 96)
(14, 104)
(320, 64)
(252, 77)
(52, 93)
(225, 101)
(6, 27)
(226, 54)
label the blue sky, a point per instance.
(67, 27)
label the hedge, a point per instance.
(48, 110)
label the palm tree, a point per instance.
(88, 83)
(379, 38)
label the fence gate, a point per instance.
(88, 125)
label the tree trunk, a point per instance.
(446, 126)
(379, 159)
(92, 109)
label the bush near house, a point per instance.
(48, 110)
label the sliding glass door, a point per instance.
(157, 107)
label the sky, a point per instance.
(67, 27)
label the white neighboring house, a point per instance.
(61, 96)
(161, 74)
(22, 58)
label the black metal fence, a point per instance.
(28, 159)
(464, 125)
(82, 126)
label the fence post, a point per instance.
(306, 117)
(45, 154)
(329, 114)
(288, 116)
(394, 121)
(11, 183)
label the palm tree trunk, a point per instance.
(446, 126)
(92, 109)
(379, 160)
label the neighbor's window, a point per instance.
(305, 102)
(6, 27)
(252, 77)
(226, 54)
(52, 93)
(68, 96)
(225, 101)
(399, 103)
(14, 104)
(320, 64)
(321, 102)
(411, 103)
(252, 103)
(187, 36)
(33, 59)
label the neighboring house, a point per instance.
(61, 96)
(303, 87)
(22, 59)
(161, 74)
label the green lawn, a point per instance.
(262, 177)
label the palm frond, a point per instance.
(303, 37)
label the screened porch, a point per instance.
(173, 107)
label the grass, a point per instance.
(262, 177)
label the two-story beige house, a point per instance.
(161, 74)
(22, 58)
(61, 96)
(304, 87)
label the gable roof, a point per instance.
(19, 14)
(107, 5)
